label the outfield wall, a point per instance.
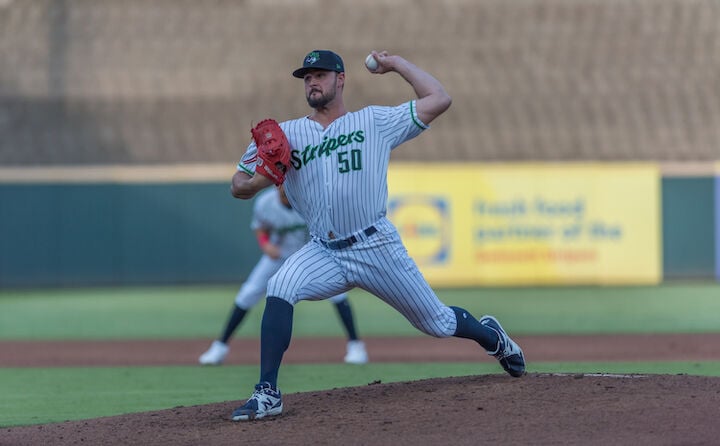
(689, 227)
(72, 232)
(530, 224)
(491, 225)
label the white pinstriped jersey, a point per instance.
(338, 177)
(286, 227)
(338, 183)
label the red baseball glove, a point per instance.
(273, 150)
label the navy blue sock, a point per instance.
(346, 316)
(234, 320)
(470, 328)
(275, 334)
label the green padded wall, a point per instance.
(79, 234)
(688, 227)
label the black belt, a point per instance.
(348, 242)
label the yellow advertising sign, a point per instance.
(529, 224)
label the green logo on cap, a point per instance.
(312, 57)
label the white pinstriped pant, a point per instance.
(253, 289)
(380, 265)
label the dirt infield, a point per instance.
(538, 409)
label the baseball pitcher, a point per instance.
(333, 164)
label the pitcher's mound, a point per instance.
(537, 409)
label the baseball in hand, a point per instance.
(371, 63)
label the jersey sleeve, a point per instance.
(259, 218)
(249, 160)
(398, 124)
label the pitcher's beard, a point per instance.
(322, 101)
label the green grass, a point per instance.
(200, 312)
(39, 395)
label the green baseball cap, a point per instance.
(320, 60)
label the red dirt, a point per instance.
(538, 409)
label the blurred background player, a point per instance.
(280, 231)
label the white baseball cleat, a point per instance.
(265, 401)
(508, 353)
(215, 355)
(356, 353)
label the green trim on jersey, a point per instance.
(244, 169)
(413, 114)
(293, 228)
